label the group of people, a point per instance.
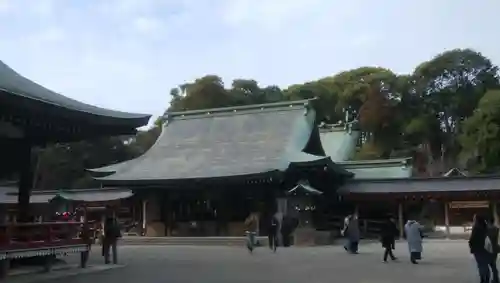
(388, 235)
(483, 244)
(280, 229)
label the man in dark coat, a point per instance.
(273, 233)
(111, 235)
(493, 235)
(478, 244)
(388, 236)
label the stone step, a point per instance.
(189, 241)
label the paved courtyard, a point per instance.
(444, 261)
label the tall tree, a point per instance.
(63, 166)
(378, 114)
(205, 92)
(327, 99)
(450, 85)
(353, 86)
(481, 133)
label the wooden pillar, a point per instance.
(495, 212)
(447, 219)
(4, 268)
(282, 205)
(401, 220)
(25, 180)
(222, 212)
(144, 215)
(168, 215)
(132, 206)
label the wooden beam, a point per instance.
(144, 214)
(447, 219)
(495, 212)
(25, 180)
(400, 220)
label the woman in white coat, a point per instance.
(413, 231)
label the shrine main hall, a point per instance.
(210, 168)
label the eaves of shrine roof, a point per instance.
(223, 142)
(15, 86)
(339, 142)
(9, 195)
(483, 183)
(395, 168)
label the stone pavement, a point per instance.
(443, 261)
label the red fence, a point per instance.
(42, 235)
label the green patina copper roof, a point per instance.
(396, 168)
(225, 142)
(427, 185)
(338, 142)
(95, 195)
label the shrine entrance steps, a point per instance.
(188, 241)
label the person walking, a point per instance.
(388, 236)
(111, 235)
(481, 246)
(413, 231)
(273, 233)
(343, 232)
(352, 233)
(493, 231)
(251, 224)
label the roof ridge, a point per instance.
(375, 161)
(282, 104)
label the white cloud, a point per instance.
(266, 15)
(48, 35)
(5, 6)
(101, 52)
(365, 40)
(126, 8)
(147, 25)
(44, 8)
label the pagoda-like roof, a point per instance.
(30, 97)
(224, 142)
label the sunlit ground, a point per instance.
(443, 261)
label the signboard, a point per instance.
(469, 204)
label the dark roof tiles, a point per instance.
(13, 83)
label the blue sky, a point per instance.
(127, 54)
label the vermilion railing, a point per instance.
(23, 236)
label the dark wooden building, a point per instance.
(445, 205)
(31, 115)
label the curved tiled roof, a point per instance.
(339, 143)
(224, 142)
(14, 84)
